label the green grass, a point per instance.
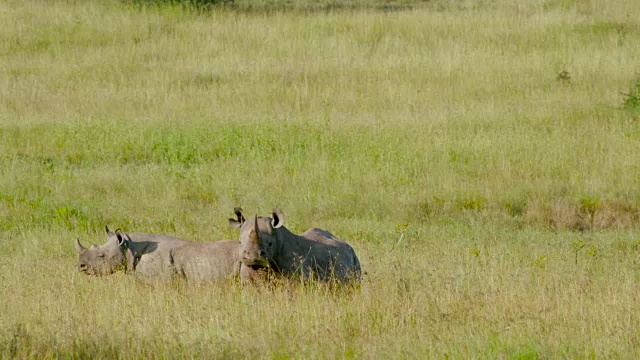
(481, 158)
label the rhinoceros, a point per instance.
(265, 242)
(161, 257)
(138, 251)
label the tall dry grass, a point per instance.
(477, 155)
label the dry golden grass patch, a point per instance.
(566, 213)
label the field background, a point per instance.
(480, 156)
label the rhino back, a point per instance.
(162, 241)
(326, 254)
(204, 262)
(152, 253)
(321, 236)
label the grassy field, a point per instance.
(478, 155)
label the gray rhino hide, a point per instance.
(160, 257)
(124, 251)
(206, 262)
(315, 253)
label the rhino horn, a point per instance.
(253, 234)
(79, 248)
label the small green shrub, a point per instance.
(563, 77)
(632, 98)
(515, 206)
(589, 205)
(540, 262)
(188, 3)
(472, 202)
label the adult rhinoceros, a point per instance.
(265, 242)
(162, 257)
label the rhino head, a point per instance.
(107, 258)
(258, 238)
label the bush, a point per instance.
(190, 3)
(632, 98)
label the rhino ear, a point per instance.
(79, 248)
(122, 237)
(109, 233)
(277, 218)
(236, 223)
(239, 215)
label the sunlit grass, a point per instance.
(481, 158)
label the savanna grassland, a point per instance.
(482, 157)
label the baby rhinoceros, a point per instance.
(160, 257)
(125, 251)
